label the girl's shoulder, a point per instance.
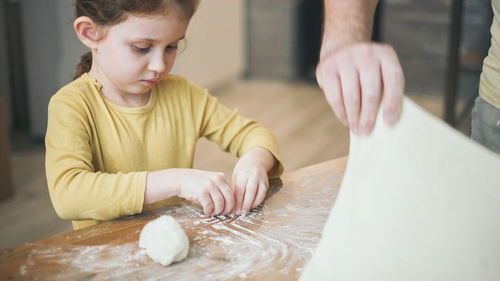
(80, 89)
(76, 97)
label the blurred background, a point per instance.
(255, 55)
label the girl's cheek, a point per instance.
(172, 60)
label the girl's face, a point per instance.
(134, 54)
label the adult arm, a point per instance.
(355, 74)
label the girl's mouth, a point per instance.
(150, 81)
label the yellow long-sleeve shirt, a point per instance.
(489, 85)
(98, 153)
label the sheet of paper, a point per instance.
(419, 201)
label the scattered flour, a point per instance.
(283, 232)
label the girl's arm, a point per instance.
(242, 137)
(231, 131)
(78, 191)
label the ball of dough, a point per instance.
(164, 240)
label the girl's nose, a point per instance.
(157, 63)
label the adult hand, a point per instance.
(355, 79)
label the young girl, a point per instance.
(122, 135)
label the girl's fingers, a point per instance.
(228, 195)
(241, 182)
(206, 203)
(261, 194)
(218, 201)
(250, 192)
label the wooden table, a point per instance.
(273, 242)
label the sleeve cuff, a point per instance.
(272, 147)
(140, 190)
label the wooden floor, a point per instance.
(297, 114)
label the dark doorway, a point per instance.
(18, 102)
(311, 17)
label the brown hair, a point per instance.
(110, 12)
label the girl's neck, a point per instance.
(115, 95)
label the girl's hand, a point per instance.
(210, 189)
(250, 180)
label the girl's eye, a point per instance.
(171, 47)
(141, 50)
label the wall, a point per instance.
(215, 44)
(52, 51)
(273, 41)
(4, 67)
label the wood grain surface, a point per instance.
(273, 242)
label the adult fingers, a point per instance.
(349, 81)
(261, 194)
(371, 88)
(331, 88)
(393, 84)
(250, 192)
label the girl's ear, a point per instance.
(87, 31)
